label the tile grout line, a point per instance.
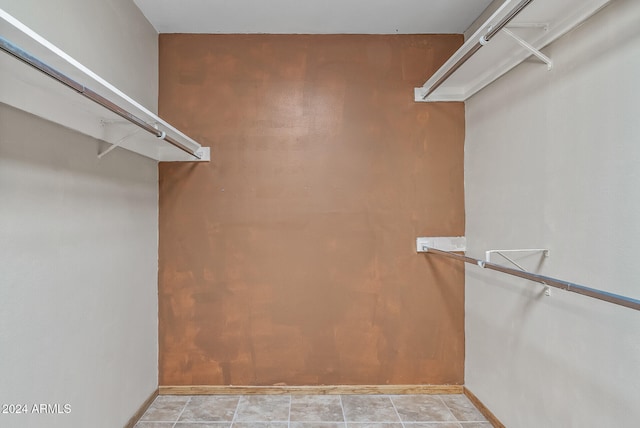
(182, 411)
(408, 424)
(462, 422)
(396, 410)
(449, 409)
(344, 416)
(235, 413)
(289, 418)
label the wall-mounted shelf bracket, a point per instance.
(487, 254)
(542, 57)
(41, 79)
(444, 243)
(113, 129)
(542, 25)
(489, 52)
(544, 251)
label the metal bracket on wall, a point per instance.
(445, 243)
(544, 251)
(543, 25)
(542, 57)
(109, 124)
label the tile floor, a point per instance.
(312, 411)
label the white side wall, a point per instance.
(78, 236)
(553, 160)
(110, 37)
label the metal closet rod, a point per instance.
(480, 43)
(551, 282)
(34, 62)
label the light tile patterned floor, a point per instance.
(312, 411)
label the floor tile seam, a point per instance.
(464, 407)
(344, 415)
(203, 422)
(455, 418)
(395, 410)
(319, 423)
(289, 417)
(382, 421)
(432, 423)
(235, 412)
(182, 411)
(435, 424)
(283, 421)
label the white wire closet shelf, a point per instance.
(515, 31)
(41, 79)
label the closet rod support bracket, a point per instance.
(488, 253)
(446, 243)
(109, 124)
(544, 251)
(542, 25)
(542, 57)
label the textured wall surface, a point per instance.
(290, 258)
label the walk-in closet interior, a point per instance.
(287, 214)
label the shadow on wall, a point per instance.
(48, 146)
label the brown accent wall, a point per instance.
(290, 257)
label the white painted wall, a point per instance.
(110, 37)
(78, 275)
(553, 160)
(78, 236)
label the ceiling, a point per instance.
(312, 16)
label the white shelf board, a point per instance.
(28, 89)
(502, 53)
